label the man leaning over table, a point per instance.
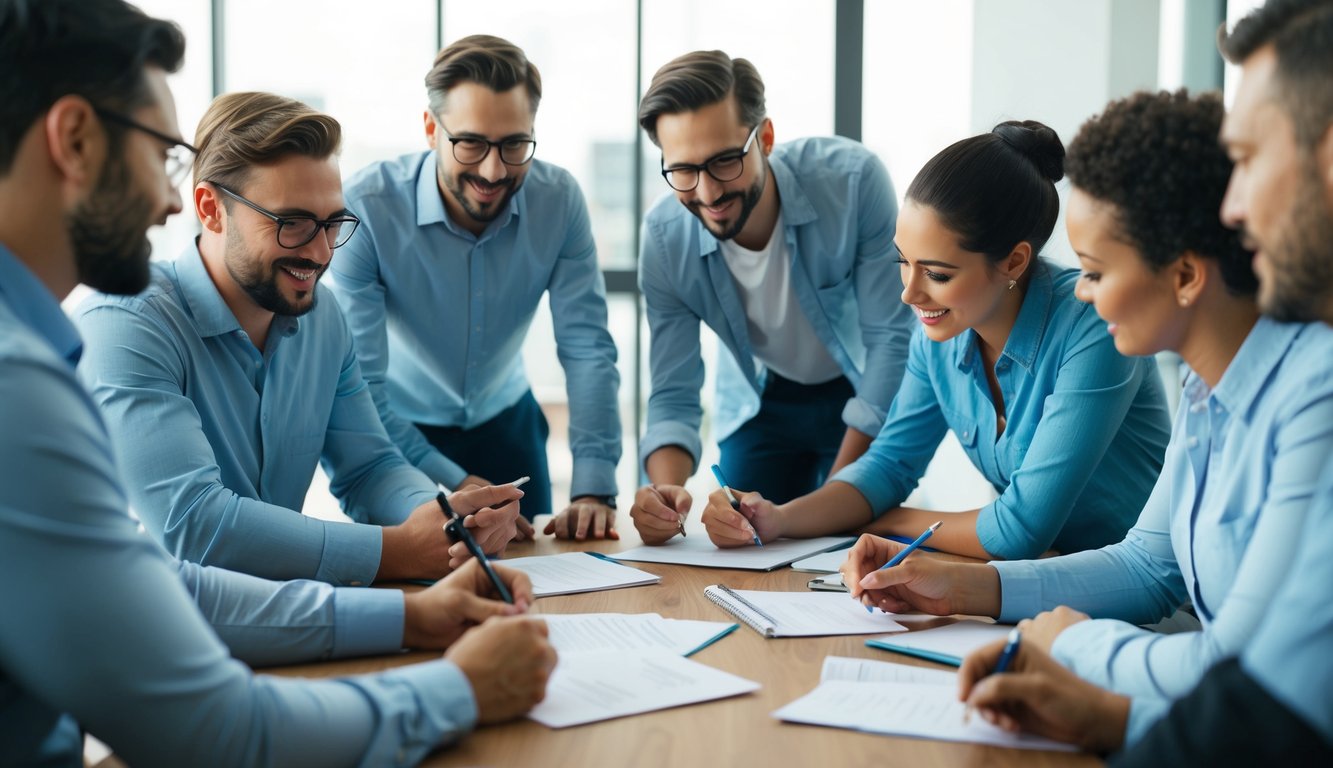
(786, 252)
(233, 374)
(458, 245)
(102, 631)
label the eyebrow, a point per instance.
(709, 159)
(927, 262)
(1086, 257)
(474, 135)
(292, 213)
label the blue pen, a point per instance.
(909, 549)
(1009, 652)
(735, 503)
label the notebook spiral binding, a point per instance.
(742, 609)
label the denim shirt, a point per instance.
(838, 214)
(1242, 466)
(155, 679)
(218, 442)
(440, 314)
(1086, 427)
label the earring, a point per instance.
(1184, 301)
(1012, 283)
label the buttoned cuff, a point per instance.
(439, 468)
(666, 433)
(864, 478)
(1020, 590)
(435, 703)
(862, 415)
(351, 556)
(367, 621)
(593, 477)
(1144, 713)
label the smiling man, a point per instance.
(786, 253)
(458, 244)
(233, 375)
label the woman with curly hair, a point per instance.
(1069, 433)
(1254, 427)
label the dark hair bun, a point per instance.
(1038, 143)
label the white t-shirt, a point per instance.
(780, 333)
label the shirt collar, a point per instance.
(1251, 369)
(1029, 329)
(36, 307)
(430, 201)
(212, 316)
(794, 204)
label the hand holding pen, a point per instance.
(459, 532)
(731, 524)
(490, 515)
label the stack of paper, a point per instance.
(577, 572)
(700, 551)
(603, 632)
(801, 614)
(905, 701)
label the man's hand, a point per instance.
(659, 512)
(729, 528)
(472, 481)
(1041, 630)
(1037, 695)
(525, 531)
(490, 513)
(919, 583)
(583, 517)
(507, 660)
(415, 548)
(436, 617)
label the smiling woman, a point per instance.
(1070, 433)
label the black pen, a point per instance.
(459, 532)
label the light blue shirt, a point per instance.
(102, 630)
(1086, 427)
(1241, 468)
(217, 442)
(1291, 652)
(838, 215)
(440, 314)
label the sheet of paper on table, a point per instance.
(700, 551)
(572, 633)
(574, 572)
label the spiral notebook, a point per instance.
(800, 614)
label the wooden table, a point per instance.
(732, 732)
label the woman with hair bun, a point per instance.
(1069, 432)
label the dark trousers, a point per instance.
(507, 447)
(786, 450)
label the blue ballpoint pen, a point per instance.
(909, 549)
(735, 503)
(1009, 652)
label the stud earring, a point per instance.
(1012, 283)
(1184, 301)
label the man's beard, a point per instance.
(749, 199)
(260, 281)
(108, 232)
(458, 185)
(1299, 284)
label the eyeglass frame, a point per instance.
(454, 140)
(320, 224)
(171, 141)
(726, 154)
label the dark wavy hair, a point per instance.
(1155, 157)
(996, 190)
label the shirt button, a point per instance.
(1193, 442)
(1198, 407)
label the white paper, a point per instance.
(577, 572)
(824, 562)
(805, 614)
(919, 710)
(586, 688)
(868, 671)
(700, 551)
(572, 633)
(956, 640)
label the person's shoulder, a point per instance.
(822, 153)
(161, 297)
(396, 177)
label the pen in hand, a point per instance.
(457, 531)
(909, 549)
(735, 503)
(1006, 658)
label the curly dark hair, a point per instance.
(1156, 158)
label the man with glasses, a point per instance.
(786, 253)
(229, 378)
(102, 632)
(457, 246)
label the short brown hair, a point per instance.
(486, 60)
(696, 80)
(242, 130)
(1301, 32)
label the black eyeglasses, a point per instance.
(180, 155)
(296, 231)
(727, 166)
(471, 150)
